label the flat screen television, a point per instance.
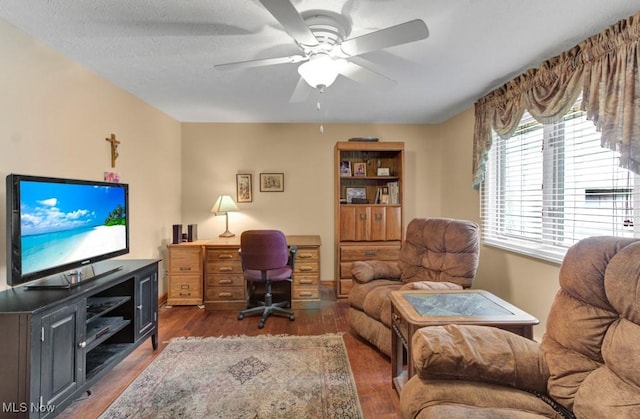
(57, 229)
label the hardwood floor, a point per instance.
(371, 369)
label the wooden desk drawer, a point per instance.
(306, 280)
(226, 267)
(354, 253)
(185, 282)
(225, 293)
(306, 255)
(305, 267)
(223, 255)
(234, 280)
(305, 293)
(184, 289)
(184, 260)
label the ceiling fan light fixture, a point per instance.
(321, 70)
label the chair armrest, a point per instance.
(479, 353)
(365, 271)
(293, 249)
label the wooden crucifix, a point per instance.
(114, 149)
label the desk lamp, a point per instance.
(223, 205)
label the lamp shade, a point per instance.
(321, 70)
(224, 204)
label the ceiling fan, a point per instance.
(324, 52)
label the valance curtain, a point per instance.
(604, 68)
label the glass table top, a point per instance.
(455, 304)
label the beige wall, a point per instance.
(54, 118)
(527, 283)
(55, 114)
(212, 154)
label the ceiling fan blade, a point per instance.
(363, 75)
(291, 21)
(260, 63)
(301, 92)
(411, 31)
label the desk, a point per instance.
(413, 309)
(215, 271)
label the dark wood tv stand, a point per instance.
(58, 342)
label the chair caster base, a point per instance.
(240, 316)
(292, 317)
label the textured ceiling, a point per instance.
(164, 52)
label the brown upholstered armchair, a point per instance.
(437, 253)
(587, 365)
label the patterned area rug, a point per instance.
(244, 377)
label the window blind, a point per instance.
(549, 186)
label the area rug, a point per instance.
(244, 377)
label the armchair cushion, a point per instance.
(365, 271)
(479, 353)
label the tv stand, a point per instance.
(59, 342)
(75, 277)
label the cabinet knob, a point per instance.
(82, 344)
(378, 217)
(226, 269)
(370, 253)
(306, 268)
(306, 281)
(185, 268)
(225, 256)
(224, 294)
(363, 217)
(304, 255)
(139, 307)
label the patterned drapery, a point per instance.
(604, 68)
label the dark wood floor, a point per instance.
(371, 369)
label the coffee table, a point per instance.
(413, 309)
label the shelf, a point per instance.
(102, 329)
(99, 306)
(102, 356)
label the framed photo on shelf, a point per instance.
(383, 171)
(360, 169)
(271, 182)
(358, 193)
(244, 187)
(345, 168)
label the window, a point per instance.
(549, 186)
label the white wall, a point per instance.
(54, 118)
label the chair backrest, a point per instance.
(264, 249)
(440, 249)
(592, 340)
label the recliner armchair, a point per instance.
(437, 253)
(587, 366)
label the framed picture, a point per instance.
(383, 171)
(360, 169)
(359, 193)
(271, 182)
(244, 187)
(345, 168)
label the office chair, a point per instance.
(266, 258)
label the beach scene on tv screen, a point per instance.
(63, 223)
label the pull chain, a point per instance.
(320, 108)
